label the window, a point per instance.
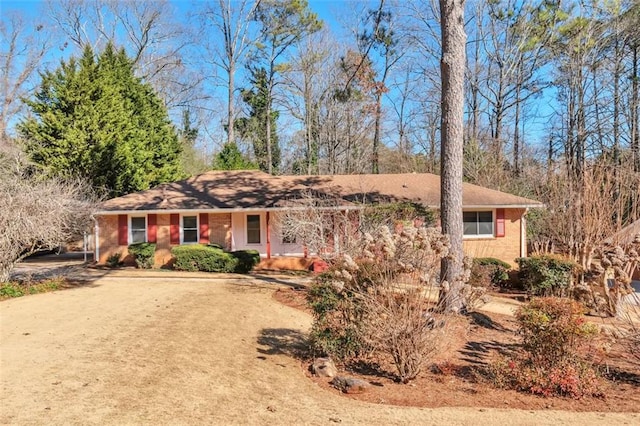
(138, 230)
(478, 223)
(289, 239)
(189, 229)
(253, 229)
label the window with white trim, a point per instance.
(189, 229)
(137, 229)
(478, 224)
(253, 229)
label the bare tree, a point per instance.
(283, 24)
(22, 51)
(452, 66)
(37, 213)
(382, 39)
(580, 215)
(231, 20)
(146, 29)
(309, 83)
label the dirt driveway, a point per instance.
(175, 350)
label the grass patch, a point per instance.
(13, 289)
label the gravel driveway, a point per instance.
(180, 349)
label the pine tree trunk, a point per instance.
(268, 137)
(452, 66)
(375, 168)
(231, 106)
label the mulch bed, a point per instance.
(455, 379)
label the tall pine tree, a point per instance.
(256, 126)
(93, 118)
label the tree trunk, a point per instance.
(516, 128)
(268, 139)
(5, 272)
(231, 106)
(635, 113)
(452, 66)
(375, 168)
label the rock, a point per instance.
(324, 367)
(350, 384)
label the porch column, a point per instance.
(268, 236)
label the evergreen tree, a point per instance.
(193, 162)
(230, 158)
(255, 126)
(93, 118)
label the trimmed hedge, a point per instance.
(489, 272)
(143, 254)
(208, 258)
(247, 259)
(198, 257)
(547, 275)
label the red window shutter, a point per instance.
(123, 230)
(204, 228)
(500, 223)
(174, 228)
(152, 228)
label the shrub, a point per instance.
(547, 275)
(11, 289)
(113, 260)
(198, 257)
(247, 259)
(377, 306)
(332, 333)
(489, 272)
(553, 330)
(143, 254)
(400, 324)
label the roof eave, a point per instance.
(276, 209)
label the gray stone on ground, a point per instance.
(350, 384)
(324, 367)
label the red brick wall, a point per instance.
(220, 229)
(505, 248)
(108, 238)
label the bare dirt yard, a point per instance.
(170, 348)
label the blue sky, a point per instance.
(332, 12)
(324, 8)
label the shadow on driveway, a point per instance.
(283, 341)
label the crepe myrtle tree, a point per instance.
(37, 213)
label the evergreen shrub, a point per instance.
(143, 254)
(547, 275)
(198, 257)
(247, 259)
(489, 272)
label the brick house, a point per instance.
(237, 209)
